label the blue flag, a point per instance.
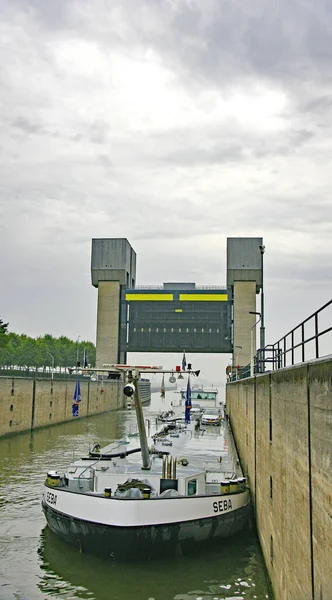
(76, 398)
(188, 402)
(184, 362)
(188, 392)
(77, 391)
(85, 359)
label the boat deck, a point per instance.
(193, 448)
(210, 446)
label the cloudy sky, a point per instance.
(175, 124)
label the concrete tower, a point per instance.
(113, 266)
(245, 275)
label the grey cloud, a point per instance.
(78, 137)
(228, 43)
(178, 191)
(275, 40)
(98, 137)
(207, 41)
(98, 131)
(299, 213)
(26, 126)
(231, 42)
(318, 105)
(56, 15)
(216, 145)
(300, 137)
(105, 161)
(198, 155)
(314, 269)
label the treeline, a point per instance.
(49, 352)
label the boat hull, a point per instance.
(130, 542)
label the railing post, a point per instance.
(316, 336)
(279, 357)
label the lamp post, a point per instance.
(235, 355)
(262, 327)
(52, 357)
(252, 342)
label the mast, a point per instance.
(146, 462)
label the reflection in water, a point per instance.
(38, 566)
(231, 570)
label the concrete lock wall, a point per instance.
(282, 422)
(27, 403)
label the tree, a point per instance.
(3, 339)
(3, 333)
(24, 351)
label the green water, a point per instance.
(36, 565)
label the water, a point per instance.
(36, 565)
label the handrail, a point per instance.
(281, 354)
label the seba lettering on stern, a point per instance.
(222, 506)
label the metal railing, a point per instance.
(307, 341)
(197, 287)
(300, 344)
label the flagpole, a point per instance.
(162, 389)
(77, 351)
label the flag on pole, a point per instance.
(162, 389)
(184, 362)
(85, 359)
(188, 402)
(76, 398)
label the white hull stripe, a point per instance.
(133, 512)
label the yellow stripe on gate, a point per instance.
(204, 297)
(145, 297)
